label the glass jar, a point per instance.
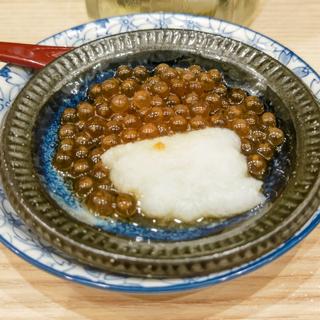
(238, 11)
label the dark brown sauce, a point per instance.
(137, 104)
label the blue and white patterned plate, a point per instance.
(16, 236)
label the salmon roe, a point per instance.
(139, 104)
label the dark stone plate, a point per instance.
(45, 202)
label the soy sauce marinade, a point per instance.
(137, 104)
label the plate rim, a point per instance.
(226, 276)
(211, 279)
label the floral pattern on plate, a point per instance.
(14, 233)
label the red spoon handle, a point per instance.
(29, 55)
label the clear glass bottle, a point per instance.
(238, 11)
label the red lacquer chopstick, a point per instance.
(30, 55)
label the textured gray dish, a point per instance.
(295, 199)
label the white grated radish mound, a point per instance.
(186, 176)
